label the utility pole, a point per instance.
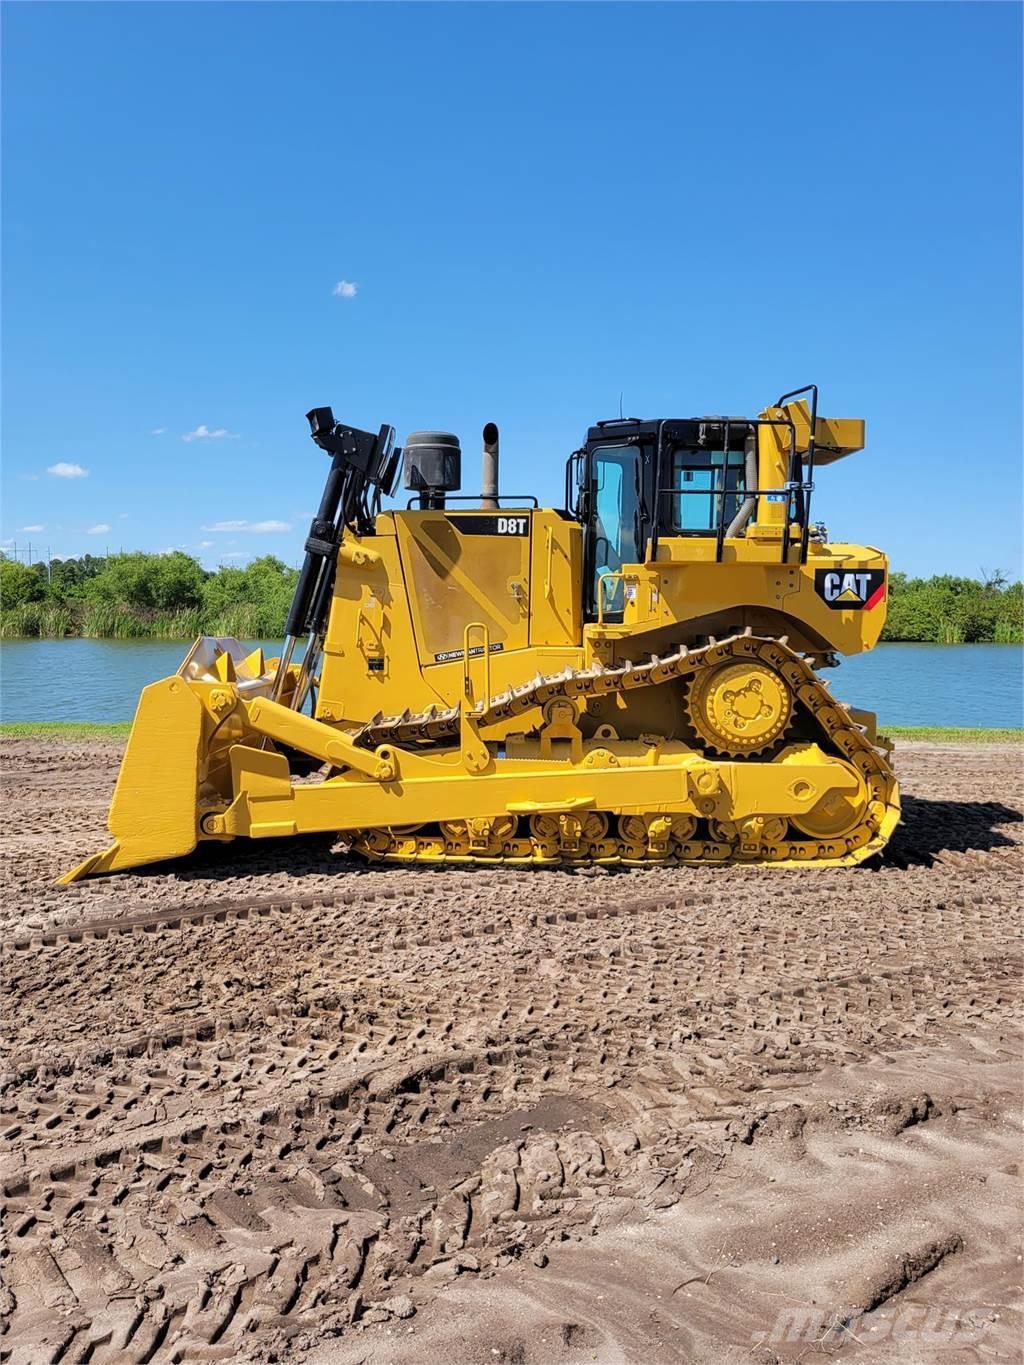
(30, 554)
(49, 566)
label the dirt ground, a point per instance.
(268, 1104)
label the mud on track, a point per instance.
(265, 1103)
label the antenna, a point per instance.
(620, 405)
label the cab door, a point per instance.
(614, 529)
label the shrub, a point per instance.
(19, 584)
(154, 582)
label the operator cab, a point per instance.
(635, 480)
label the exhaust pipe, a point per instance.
(489, 481)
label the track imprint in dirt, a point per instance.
(248, 1112)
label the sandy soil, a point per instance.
(267, 1104)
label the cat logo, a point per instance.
(850, 589)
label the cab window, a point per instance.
(698, 475)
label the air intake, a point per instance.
(433, 465)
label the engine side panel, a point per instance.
(396, 631)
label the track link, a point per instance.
(759, 843)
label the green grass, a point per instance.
(937, 734)
(65, 729)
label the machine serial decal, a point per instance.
(491, 526)
(850, 589)
(449, 654)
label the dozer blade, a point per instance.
(153, 813)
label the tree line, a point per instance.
(144, 596)
(138, 596)
(947, 610)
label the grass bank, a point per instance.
(937, 734)
(72, 729)
(65, 729)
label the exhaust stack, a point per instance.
(489, 480)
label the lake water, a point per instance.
(100, 680)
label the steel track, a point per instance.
(834, 719)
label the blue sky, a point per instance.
(539, 206)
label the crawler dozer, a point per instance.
(633, 678)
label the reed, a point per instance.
(247, 621)
(115, 621)
(39, 620)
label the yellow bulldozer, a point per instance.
(632, 678)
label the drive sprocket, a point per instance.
(740, 708)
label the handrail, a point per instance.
(803, 486)
(520, 499)
(747, 423)
(722, 493)
(467, 681)
(726, 452)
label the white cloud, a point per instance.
(205, 433)
(260, 527)
(158, 431)
(122, 516)
(345, 289)
(100, 529)
(63, 470)
(32, 530)
(206, 544)
(236, 554)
